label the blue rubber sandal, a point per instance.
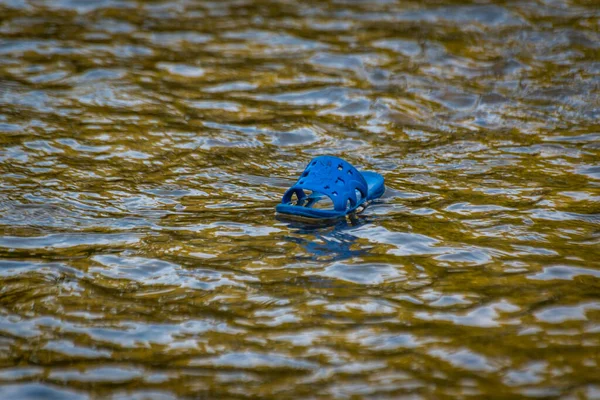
(332, 177)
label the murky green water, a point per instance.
(144, 146)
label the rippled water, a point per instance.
(144, 146)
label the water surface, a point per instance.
(144, 146)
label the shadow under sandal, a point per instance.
(330, 178)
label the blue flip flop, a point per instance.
(332, 177)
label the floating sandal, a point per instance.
(333, 178)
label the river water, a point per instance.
(144, 146)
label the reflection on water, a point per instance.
(144, 145)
